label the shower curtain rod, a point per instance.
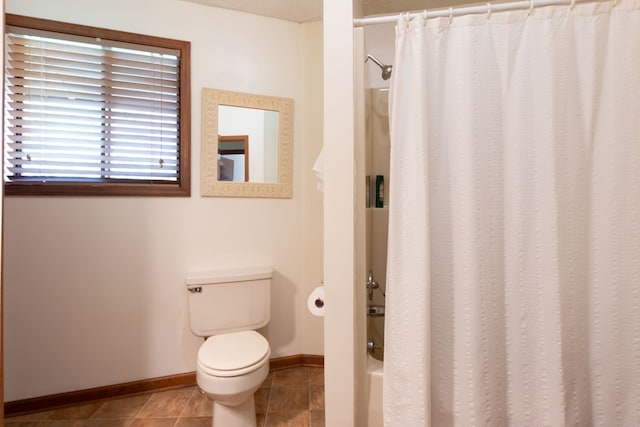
(450, 12)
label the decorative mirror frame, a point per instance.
(210, 186)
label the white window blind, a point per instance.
(82, 109)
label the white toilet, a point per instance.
(227, 306)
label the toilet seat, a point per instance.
(233, 354)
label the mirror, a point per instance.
(246, 145)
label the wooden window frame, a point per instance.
(181, 188)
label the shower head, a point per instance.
(386, 69)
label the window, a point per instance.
(90, 111)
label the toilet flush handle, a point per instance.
(195, 289)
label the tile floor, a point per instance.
(292, 397)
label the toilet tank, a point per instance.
(223, 301)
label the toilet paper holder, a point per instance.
(319, 302)
(315, 302)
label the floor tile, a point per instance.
(153, 422)
(316, 397)
(316, 418)
(291, 377)
(165, 404)
(80, 412)
(316, 376)
(193, 422)
(291, 398)
(288, 419)
(261, 398)
(109, 422)
(126, 407)
(37, 416)
(63, 423)
(199, 405)
(12, 422)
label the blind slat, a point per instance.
(54, 98)
(20, 61)
(78, 176)
(81, 108)
(154, 82)
(27, 43)
(96, 126)
(45, 88)
(74, 67)
(87, 131)
(46, 51)
(98, 163)
(141, 151)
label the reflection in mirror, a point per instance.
(233, 158)
(235, 124)
(261, 126)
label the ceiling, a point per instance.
(288, 10)
(311, 10)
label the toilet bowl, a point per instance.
(226, 306)
(231, 367)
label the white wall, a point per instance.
(94, 287)
(312, 225)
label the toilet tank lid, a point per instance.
(228, 275)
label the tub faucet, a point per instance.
(371, 285)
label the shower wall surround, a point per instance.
(377, 152)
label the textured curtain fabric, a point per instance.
(513, 284)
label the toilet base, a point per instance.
(242, 415)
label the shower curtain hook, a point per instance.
(404, 19)
(450, 15)
(573, 3)
(531, 5)
(488, 10)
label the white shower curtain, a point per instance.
(513, 286)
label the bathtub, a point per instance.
(374, 392)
